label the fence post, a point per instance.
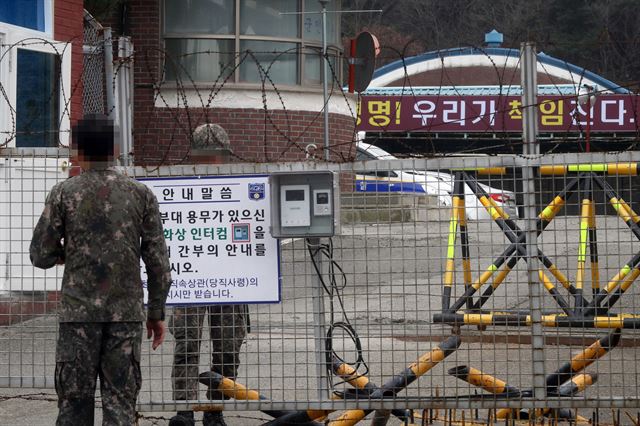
(531, 150)
(108, 73)
(125, 98)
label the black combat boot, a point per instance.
(213, 418)
(183, 418)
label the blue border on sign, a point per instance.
(200, 177)
(261, 302)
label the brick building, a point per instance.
(238, 64)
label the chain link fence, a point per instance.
(459, 289)
(421, 309)
(93, 77)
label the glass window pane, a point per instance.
(198, 60)
(312, 22)
(312, 71)
(37, 99)
(24, 13)
(278, 60)
(199, 16)
(259, 17)
(313, 63)
(362, 155)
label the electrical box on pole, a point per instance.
(304, 204)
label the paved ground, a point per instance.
(393, 282)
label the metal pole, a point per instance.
(108, 72)
(125, 97)
(588, 135)
(323, 69)
(531, 150)
(319, 326)
(325, 90)
(129, 101)
(122, 100)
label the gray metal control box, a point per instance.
(304, 204)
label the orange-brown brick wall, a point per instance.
(161, 135)
(67, 26)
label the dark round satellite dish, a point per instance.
(366, 50)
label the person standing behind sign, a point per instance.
(99, 224)
(227, 323)
(227, 331)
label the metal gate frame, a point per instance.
(522, 400)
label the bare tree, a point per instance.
(599, 35)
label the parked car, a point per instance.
(435, 183)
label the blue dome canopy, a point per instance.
(582, 74)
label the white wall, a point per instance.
(24, 185)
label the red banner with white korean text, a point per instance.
(556, 114)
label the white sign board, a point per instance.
(217, 233)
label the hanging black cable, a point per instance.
(333, 289)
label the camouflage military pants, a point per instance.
(227, 330)
(110, 350)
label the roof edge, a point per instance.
(505, 52)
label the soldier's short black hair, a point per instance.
(93, 137)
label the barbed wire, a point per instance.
(140, 416)
(595, 417)
(162, 420)
(187, 115)
(289, 131)
(36, 396)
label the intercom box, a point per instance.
(304, 204)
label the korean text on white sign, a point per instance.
(216, 229)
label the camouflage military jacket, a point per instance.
(100, 224)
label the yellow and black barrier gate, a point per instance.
(578, 309)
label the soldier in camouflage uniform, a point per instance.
(227, 323)
(99, 224)
(227, 330)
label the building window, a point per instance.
(198, 59)
(248, 41)
(263, 18)
(199, 17)
(35, 75)
(31, 14)
(312, 24)
(269, 61)
(37, 99)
